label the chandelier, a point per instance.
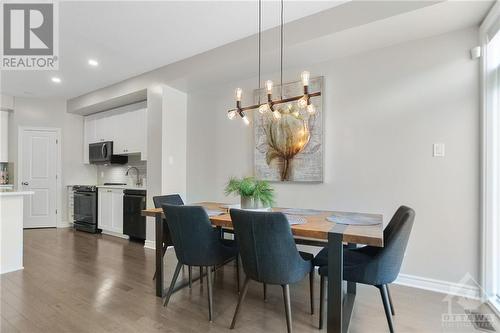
(303, 101)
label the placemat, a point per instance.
(353, 219)
(295, 219)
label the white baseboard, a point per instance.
(494, 306)
(12, 270)
(440, 286)
(149, 244)
(65, 224)
(115, 234)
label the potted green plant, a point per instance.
(254, 193)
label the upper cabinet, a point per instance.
(126, 128)
(4, 136)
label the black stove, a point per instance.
(85, 188)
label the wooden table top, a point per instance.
(317, 226)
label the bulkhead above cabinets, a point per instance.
(125, 126)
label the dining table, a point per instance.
(332, 229)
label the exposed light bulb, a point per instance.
(302, 103)
(305, 78)
(276, 114)
(239, 92)
(56, 79)
(269, 86)
(311, 109)
(231, 114)
(93, 62)
(245, 120)
(264, 108)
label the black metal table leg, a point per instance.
(159, 256)
(351, 286)
(340, 306)
(335, 272)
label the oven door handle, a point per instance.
(85, 194)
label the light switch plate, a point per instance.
(438, 150)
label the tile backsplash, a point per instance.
(116, 173)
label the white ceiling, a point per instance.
(130, 38)
(206, 43)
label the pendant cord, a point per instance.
(260, 41)
(281, 53)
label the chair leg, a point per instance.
(190, 275)
(390, 300)
(387, 307)
(288, 308)
(322, 300)
(240, 301)
(238, 273)
(210, 296)
(172, 283)
(201, 276)
(264, 290)
(311, 290)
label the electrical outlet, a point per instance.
(438, 150)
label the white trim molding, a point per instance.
(149, 244)
(440, 286)
(490, 159)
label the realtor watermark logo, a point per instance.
(30, 36)
(466, 307)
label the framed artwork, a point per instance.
(289, 147)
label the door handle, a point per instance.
(25, 183)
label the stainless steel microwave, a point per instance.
(102, 153)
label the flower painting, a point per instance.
(290, 147)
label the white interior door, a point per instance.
(39, 174)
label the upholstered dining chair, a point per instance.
(269, 255)
(170, 199)
(196, 243)
(376, 266)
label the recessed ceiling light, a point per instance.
(93, 62)
(56, 79)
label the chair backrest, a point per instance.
(192, 235)
(267, 248)
(170, 199)
(396, 235)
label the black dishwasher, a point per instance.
(134, 224)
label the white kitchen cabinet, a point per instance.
(110, 210)
(127, 129)
(88, 136)
(130, 134)
(4, 136)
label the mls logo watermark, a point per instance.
(30, 36)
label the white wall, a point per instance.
(174, 129)
(383, 110)
(52, 113)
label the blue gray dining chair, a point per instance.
(170, 199)
(196, 243)
(269, 255)
(376, 266)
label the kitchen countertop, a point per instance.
(5, 193)
(124, 187)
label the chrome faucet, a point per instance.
(137, 183)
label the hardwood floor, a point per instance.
(78, 282)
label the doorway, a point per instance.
(39, 170)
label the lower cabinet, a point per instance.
(110, 210)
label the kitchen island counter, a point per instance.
(11, 229)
